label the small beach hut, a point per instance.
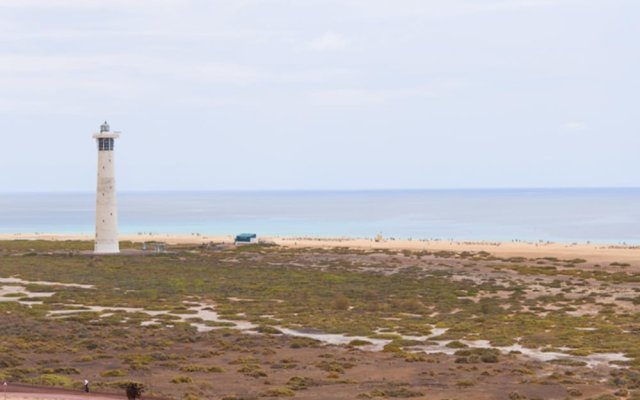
(245, 238)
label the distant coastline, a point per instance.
(595, 253)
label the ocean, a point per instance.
(565, 215)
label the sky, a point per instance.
(321, 94)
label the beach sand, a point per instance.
(595, 253)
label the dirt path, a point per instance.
(51, 396)
(28, 392)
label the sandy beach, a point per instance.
(595, 253)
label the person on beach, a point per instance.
(86, 386)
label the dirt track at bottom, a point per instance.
(50, 396)
(29, 392)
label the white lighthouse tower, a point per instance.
(106, 210)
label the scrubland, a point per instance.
(207, 322)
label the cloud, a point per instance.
(449, 8)
(346, 97)
(314, 75)
(329, 41)
(25, 69)
(374, 96)
(74, 84)
(575, 126)
(86, 4)
(202, 72)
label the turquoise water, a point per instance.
(569, 215)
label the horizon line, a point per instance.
(329, 190)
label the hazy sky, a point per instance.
(321, 94)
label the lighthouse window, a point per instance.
(105, 144)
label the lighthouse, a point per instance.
(106, 210)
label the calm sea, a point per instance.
(571, 215)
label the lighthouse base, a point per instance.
(106, 248)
